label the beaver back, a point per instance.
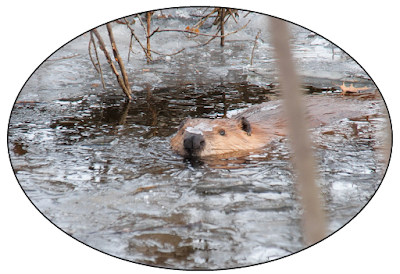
(256, 126)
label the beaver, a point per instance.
(257, 126)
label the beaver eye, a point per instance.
(222, 132)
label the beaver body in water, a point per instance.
(257, 126)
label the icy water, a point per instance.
(102, 169)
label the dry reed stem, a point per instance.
(313, 216)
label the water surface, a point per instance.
(101, 169)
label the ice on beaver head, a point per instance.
(200, 128)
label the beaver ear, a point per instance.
(245, 125)
(183, 122)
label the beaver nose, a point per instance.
(194, 142)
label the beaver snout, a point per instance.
(193, 143)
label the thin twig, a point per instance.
(233, 16)
(164, 54)
(205, 34)
(141, 22)
(254, 47)
(202, 21)
(154, 31)
(137, 39)
(196, 15)
(98, 60)
(110, 62)
(118, 57)
(149, 13)
(147, 32)
(90, 52)
(130, 47)
(62, 58)
(222, 26)
(201, 45)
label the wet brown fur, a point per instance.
(267, 123)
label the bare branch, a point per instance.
(222, 24)
(118, 58)
(137, 39)
(153, 32)
(203, 20)
(90, 52)
(171, 54)
(148, 15)
(110, 62)
(233, 16)
(99, 70)
(141, 22)
(205, 34)
(254, 47)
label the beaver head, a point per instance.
(206, 137)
